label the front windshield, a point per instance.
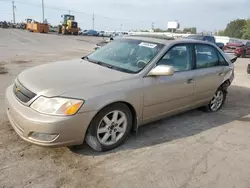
(126, 54)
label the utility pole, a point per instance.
(43, 9)
(121, 27)
(153, 25)
(69, 12)
(13, 9)
(93, 21)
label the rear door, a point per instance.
(248, 48)
(209, 73)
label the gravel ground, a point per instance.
(194, 149)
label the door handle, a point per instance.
(190, 81)
(221, 73)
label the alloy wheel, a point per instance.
(217, 100)
(112, 127)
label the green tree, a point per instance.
(171, 30)
(221, 33)
(158, 30)
(235, 28)
(191, 30)
(246, 31)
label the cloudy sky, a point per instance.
(206, 15)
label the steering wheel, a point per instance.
(141, 63)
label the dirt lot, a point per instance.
(193, 149)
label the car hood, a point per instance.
(58, 78)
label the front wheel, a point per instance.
(217, 101)
(109, 128)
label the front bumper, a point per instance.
(69, 130)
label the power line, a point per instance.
(77, 12)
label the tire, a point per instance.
(59, 29)
(248, 68)
(103, 141)
(64, 31)
(210, 108)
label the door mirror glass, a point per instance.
(162, 70)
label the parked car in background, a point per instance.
(102, 33)
(208, 38)
(240, 49)
(125, 84)
(89, 33)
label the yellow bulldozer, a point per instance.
(69, 26)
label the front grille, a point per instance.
(22, 93)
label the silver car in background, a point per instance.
(127, 83)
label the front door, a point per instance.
(166, 95)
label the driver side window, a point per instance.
(179, 56)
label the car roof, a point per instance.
(166, 40)
(162, 39)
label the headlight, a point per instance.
(56, 106)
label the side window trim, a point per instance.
(191, 46)
(193, 56)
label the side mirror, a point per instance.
(162, 70)
(233, 60)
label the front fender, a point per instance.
(97, 97)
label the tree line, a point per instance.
(190, 30)
(239, 28)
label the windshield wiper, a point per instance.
(108, 65)
(116, 68)
(85, 57)
(90, 60)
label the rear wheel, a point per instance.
(109, 128)
(217, 101)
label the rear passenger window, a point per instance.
(206, 56)
(180, 57)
